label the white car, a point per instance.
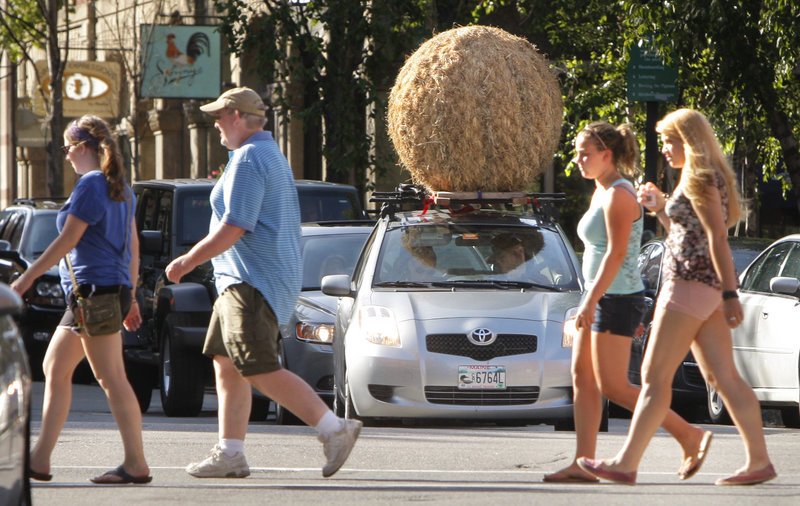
(439, 321)
(766, 346)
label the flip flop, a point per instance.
(119, 476)
(39, 476)
(692, 464)
(565, 477)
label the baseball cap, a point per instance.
(243, 99)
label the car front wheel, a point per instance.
(716, 409)
(182, 375)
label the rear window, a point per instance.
(328, 204)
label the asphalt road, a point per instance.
(457, 464)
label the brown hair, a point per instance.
(104, 143)
(621, 141)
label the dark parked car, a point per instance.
(689, 391)
(306, 340)
(15, 405)
(26, 229)
(171, 216)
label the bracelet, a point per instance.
(657, 214)
(729, 294)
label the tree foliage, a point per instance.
(738, 63)
(25, 26)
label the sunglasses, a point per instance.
(66, 148)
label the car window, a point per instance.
(147, 203)
(358, 271)
(325, 255)
(193, 218)
(434, 252)
(13, 231)
(328, 205)
(791, 268)
(766, 268)
(43, 231)
(650, 267)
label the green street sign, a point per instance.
(649, 79)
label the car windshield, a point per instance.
(43, 232)
(329, 254)
(474, 256)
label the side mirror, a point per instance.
(10, 302)
(784, 285)
(151, 242)
(337, 285)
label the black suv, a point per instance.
(171, 216)
(27, 228)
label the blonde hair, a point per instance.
(621, 141)
(95, 133)
(704, 158)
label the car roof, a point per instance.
(309, 183)
(314, 229)
(176, 182)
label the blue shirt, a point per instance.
(98, 258)
(592, 231)
(257, 192)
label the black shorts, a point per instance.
(125, 301)
(619, 314)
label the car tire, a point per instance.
(717, 412)
(282, 415)
(791, 416)
(143, 379)
(182, 376)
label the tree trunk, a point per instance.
(55, 66)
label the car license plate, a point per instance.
(483, 377)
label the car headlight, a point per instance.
(48, 292)
(314, 332)
(379, 326)
(570, 331)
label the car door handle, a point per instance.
(764, 315)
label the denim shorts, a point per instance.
(244, 328)
(619, 314)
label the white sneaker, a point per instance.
(338, 446)
(219, 465)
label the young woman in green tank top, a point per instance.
(613, 305)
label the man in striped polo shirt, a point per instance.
(254, 246)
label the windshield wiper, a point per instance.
(402, 284)
(494, 283)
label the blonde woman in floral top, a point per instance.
(698, 303)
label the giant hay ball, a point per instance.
(475, 108)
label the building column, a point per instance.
(198, 124)
(167, 125)
(8, 105)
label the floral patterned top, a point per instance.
(687, 254)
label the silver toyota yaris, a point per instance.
(457, 314)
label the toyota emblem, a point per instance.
(481, 337)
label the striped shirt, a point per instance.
(256, 192)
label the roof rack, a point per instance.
(40, 202)
(416, 197)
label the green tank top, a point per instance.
(592, 231)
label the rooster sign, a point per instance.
(180, 61)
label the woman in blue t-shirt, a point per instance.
(613, 305)
(97, 230)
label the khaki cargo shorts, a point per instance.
(244, 328)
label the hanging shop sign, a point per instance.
(89, 87)
(180, 61)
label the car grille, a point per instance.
(509, 396)
(693, 376)
(458, 344)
